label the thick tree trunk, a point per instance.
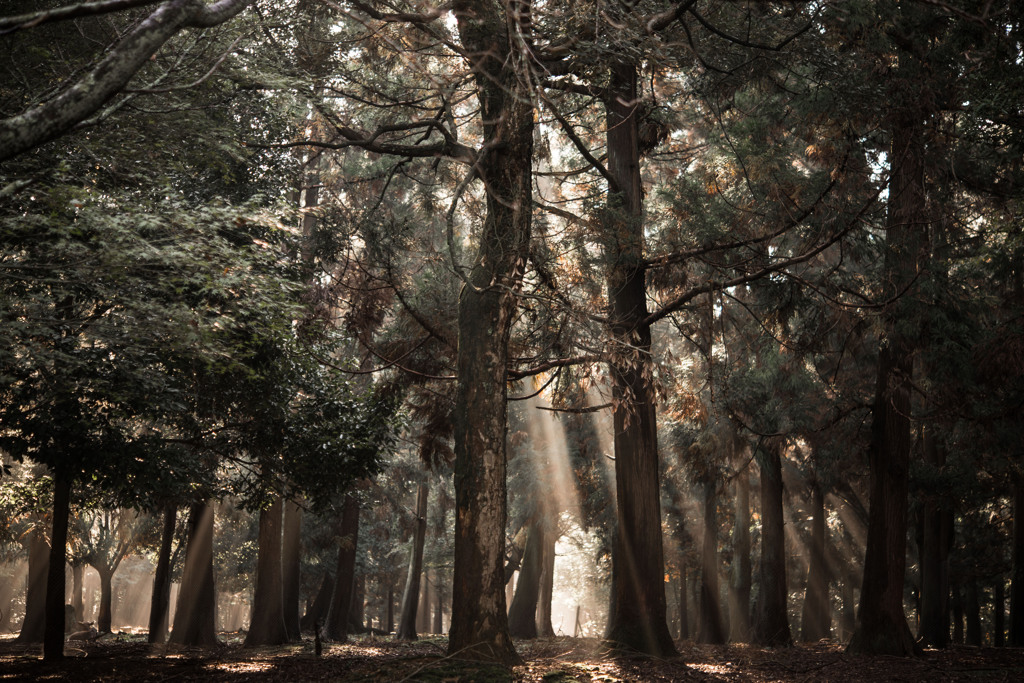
(161, 599)
(266, 625)
(410, 596)
(34, 624)
(934, 630)
(881, 621)
(771, 627)
(741, 574)
(317, 612)
(336, 627)
(636, 619)
(816, 617)
(972, 610)
(1017, 579)
(522, 614)
(106, 613)
(195, 616)
(487, 306)
(711, 628)
(53, 635)
(291, 556)
(547, 586)
(423, 609)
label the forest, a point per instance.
(534, 340)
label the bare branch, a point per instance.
(84, 9)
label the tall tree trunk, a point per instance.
(972, 610)
(53, 635)
(195, 616)
(999, 613)
(711, 628)
(357, 610)
(317, 611)
(881, 621)
(636, 619)
(266, 625)
(423, 609)
(771, 627)
(741, 574)
(958, 615)
(410, 596)
(547, 585)
(291, 557)
(817, 614)
(488, 30)
(390, 607)
(161, 599)
(934, 631)
(848, 618)
(522, 614)
(336, 627)
(438, 624)
(684, 608)
(106, 613)
(1017, 579)
(77, 575)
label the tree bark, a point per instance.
(934, 630)
(336, 627)
(881, 622)
(53, 635)
(636, 619)
(266, 625)
(487, 305)
(741, 574)
(317, 611)
(999, 613)
(771, 627)
(547, 586)
(712, 630)
(816, 614)
(161, 599)
(522, 615)
(972, 611)
(77, 575)
(423, 609)
(195, 617)
(437, 626)
(410, 596)
(684, 608)
(34, 624)
(106, 611)
(291, 557)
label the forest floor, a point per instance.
(549, 660)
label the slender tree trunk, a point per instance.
(848, 619)
(77, 575)
(487, 306)
(972, 610)
(106, 613)
(711, 628)
(291, 556)
(266, 625)
(934, 631)
(958, 616)
(317, 612)
(423, 610)
(771, 627)
(817, 614)
(742, 575)
(636, 619)
(161, 599)
(547, 586)
(522, 615)
(53, 635)
(336, 627)
(410, 596)
(390, 607)
(684, 608)
(881, 621)
(438, 624)
(357, 610)
(1017, 579)
(195, 617)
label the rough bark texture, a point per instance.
(423, 609)
(741, 574)
(487, 304)
(410, 596)
(522, 614)
(195, 616)
(934, 629)
(336, 627)
(291, 556)
(105, 615)
(881, 622)
(816, 616)
(712, 630)
(636, 618)
(53, 635)
(161, 598)
(34, 623)
(266, 626)
(771, 627)
(547, 587)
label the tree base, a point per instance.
(884, 639)
(640, 640)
